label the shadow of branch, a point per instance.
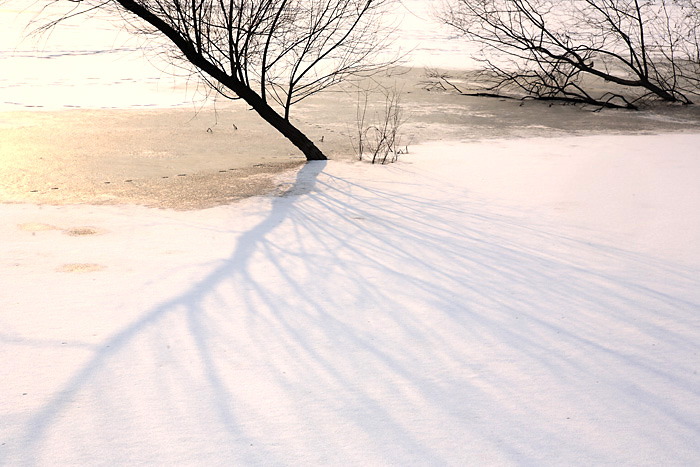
(396, 317)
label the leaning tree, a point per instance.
(570, 49)
(269, 53)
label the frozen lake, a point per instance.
(94, 64)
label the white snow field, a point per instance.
(508, 302)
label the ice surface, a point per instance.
(94, 63)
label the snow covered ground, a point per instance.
(504, 302)
(509, 302)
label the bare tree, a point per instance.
(568, 50)
(270, 53)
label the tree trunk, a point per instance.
(298, 139)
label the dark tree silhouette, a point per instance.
(548, 49)
(270, 53)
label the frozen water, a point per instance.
(81, 63)
(93, 63)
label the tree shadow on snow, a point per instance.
(360, 323)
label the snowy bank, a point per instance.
(529, 301)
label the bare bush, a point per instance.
(377, 137)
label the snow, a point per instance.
(523, 301)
